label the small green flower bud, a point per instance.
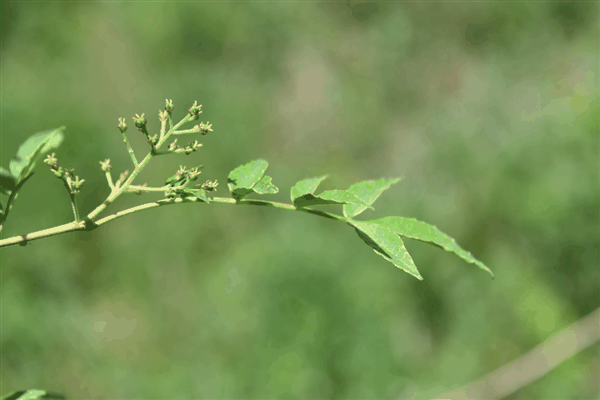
(162, 116)
(152, 140)
(173, 145)
(169, 107)
(51, 161)
(140, 123)
(205, 128)
(60, 172)
(122, 127)
(105, 165)
(209, 186)
(195, 110)
(69, 172)
(75, 185)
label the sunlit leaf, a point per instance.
(302, 194)
(32, 150)
(327, 197)
(306, 186)
(414, 229)
(246, 179)
(368, 192)
(387, 244)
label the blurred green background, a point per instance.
(488, 110)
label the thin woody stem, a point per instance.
(118, 190)
(88, 224)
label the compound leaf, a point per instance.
(246, 179)
(419, 230)
(302, 194)
(368, 192)
(33, 149)
(387, 244)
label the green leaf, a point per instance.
(31, 394)
(367, 191)
(302, 194)
(246, 179)
(387, 244)
(264, 186)
(32, 150)
(328, 197)
(414, 229)
(306, 186)
(201, 194)
(7, 181)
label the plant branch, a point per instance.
(533, 365)
(88, 224)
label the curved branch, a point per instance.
(534, 364)
(87, 224)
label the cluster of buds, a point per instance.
(169, 107)
(183, 176)
(187, 149)
(105, 165)
(195, 110)
(176, 183)
(140, 124)
(66, 174)
(209, 186)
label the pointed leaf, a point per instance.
(265, 186)
(327, 197)
(32, 150)
(387, 244)
(414, 229)
(246, 179)
(367, 191)
(306, 186)
(201, 194)
(7, 181)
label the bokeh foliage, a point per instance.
(488, 110)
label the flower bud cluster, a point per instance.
(122, 126)
(169, 107)
(209, 186)
(187, 149)
(140, 123)
(105, 165)
(177, 183)
(66, 174)
(195, 110)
